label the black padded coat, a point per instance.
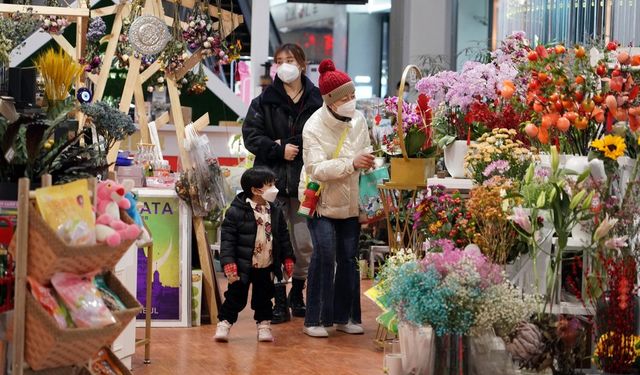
(238, 237)
(273, 116)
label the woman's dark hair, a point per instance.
(256, 178)
(296, 51)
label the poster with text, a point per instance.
(162, 216)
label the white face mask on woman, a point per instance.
(347, 109)
(270, 194)
(288, 72)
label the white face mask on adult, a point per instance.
(288, 72)
(347, 109)
(270, 194)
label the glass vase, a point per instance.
(451, 354)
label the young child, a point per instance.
(254, 246)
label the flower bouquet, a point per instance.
(498, 154)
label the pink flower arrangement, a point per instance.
(465, 262)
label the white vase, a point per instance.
(581, 233)
(625, 165)
(454, 158)
(418, 348)
(580, 164)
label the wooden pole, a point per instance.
(22, 243)
(122, 11)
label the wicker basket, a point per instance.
(49, 346)
(406, 171)
(49, 254)
(132, 305)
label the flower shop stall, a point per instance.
(537, 268)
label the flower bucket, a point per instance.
(454, 158)
(406, 171)
(411, 171)
(418, 348)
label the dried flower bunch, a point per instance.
(489, 216)
(58, 71)
(96, 31)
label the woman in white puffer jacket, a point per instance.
(335, 230)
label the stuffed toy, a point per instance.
(134, 213)
(110, 229)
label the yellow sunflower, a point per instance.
(611, 145)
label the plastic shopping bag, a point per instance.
(371, 206)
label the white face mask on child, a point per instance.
(270, 194)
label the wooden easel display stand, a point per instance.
(133, 90)
(57, 350)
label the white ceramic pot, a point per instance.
(454, 158)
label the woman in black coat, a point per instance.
(272, 131)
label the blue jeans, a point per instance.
(333, 300)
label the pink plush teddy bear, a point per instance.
(109, 227)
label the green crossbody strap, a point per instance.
(335, 155)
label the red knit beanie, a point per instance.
(334, 84)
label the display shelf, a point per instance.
(451, 183)
(36, 336)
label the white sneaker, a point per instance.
(315, 331)
(222, 331)
(264, 331)
(350, 328)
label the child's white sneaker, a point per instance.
(350, 328)
(315, 331)
(222, 331)
(264, 331)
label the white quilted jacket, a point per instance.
(339, 180)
